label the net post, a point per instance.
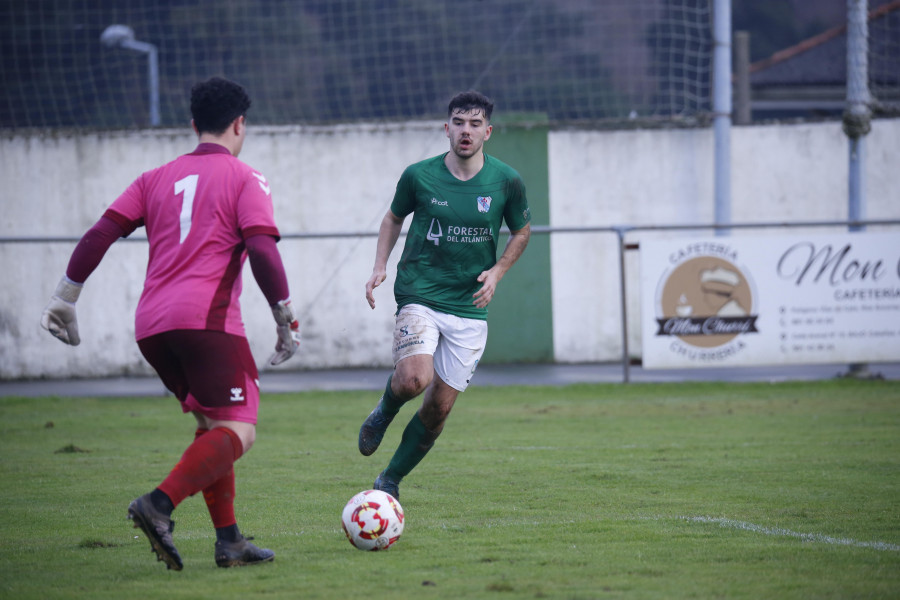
(857, 122)
(626, 363)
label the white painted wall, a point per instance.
(341, 179)
(780, 173)
(338, 179)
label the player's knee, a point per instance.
(408, 386)
(247, 439)
(433, 416)
(245, 432)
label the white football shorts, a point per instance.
(455, 343)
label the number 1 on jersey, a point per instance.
(188, 186)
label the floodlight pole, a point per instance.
(152, 75)
(122, 36)
(722, 112)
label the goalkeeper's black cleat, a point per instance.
(372, 431)
(241, 553)
(387, 485)
(158, 527)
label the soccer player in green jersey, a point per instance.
(447, 275)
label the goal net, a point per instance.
(883, 48)
(327, 61)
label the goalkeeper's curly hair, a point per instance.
(216, 103)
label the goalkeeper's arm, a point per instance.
(59, 315)
(268, 270)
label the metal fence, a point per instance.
(627, 241)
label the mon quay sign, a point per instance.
(770, 300)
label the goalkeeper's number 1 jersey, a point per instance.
(454, 232)
(198, 210)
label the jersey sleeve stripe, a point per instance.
(124, 222)
(260, 230)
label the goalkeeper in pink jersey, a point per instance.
(205, 213)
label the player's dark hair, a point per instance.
(216, 103)
(471, 100)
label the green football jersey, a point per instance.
(454, 232)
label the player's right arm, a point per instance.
(59, 316)
(388, 234)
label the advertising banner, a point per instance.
(770, 300)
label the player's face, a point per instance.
(467, 132)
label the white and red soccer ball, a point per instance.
(372, 520)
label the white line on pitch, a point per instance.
(806, 537)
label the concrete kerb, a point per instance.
(373, 380)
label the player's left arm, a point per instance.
(490, 278)
(268, 270)
(256, 222)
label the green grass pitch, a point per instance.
(687, 490)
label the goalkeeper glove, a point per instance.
(288, 330)
(59, 315)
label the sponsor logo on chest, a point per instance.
(456, 233)
(483, 203)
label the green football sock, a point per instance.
(390, 404)
(414, 445)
